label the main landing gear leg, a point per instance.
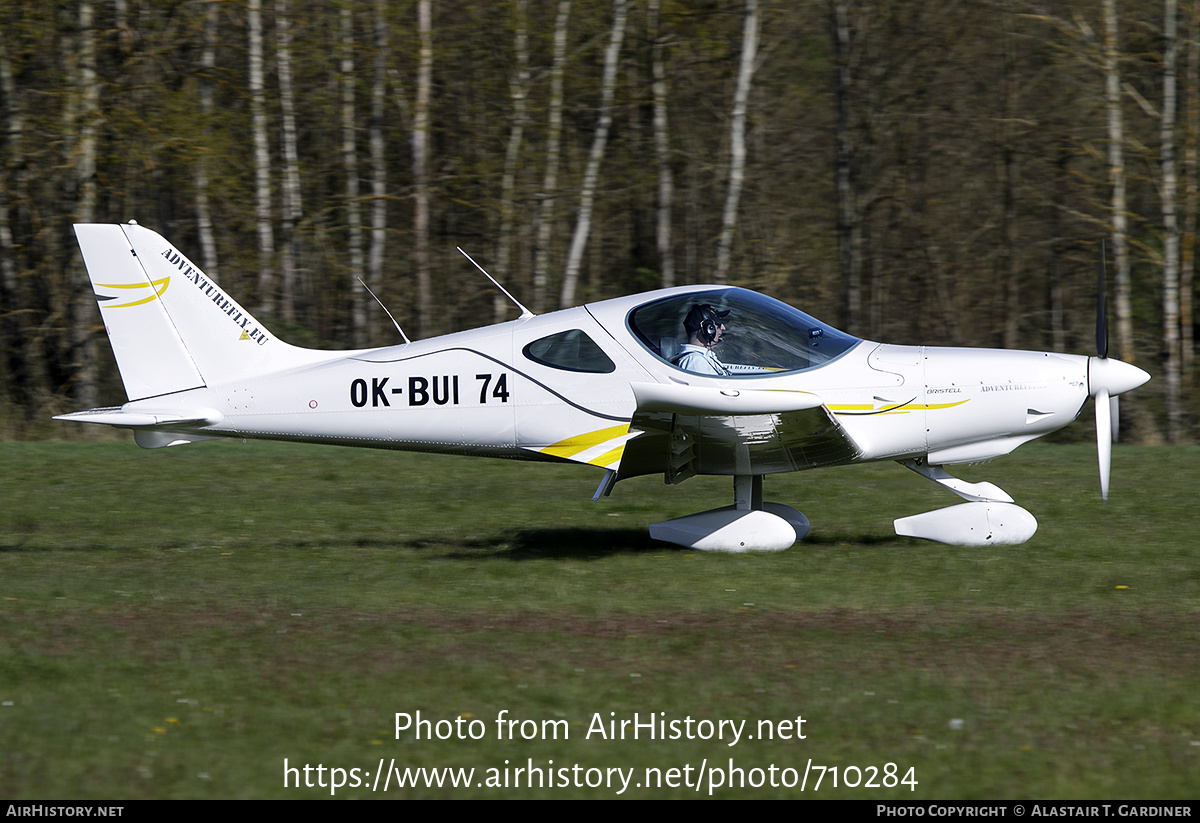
(749, 525)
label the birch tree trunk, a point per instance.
(13, 337)
(262, 164)
(378, 165)
(583, 224)
(849, 251)
(548, 194)
(291, 208)
(1054, 219)
(520, 92)
(1170, 228)
(420, 141)
(1014, 307)
(1116, 173)
(1191, 138)
(662, 149)
(28, 381)
(85, 314)
(737, 139)
(208, 62)
(13, 125)
(350, 167)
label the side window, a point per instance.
(570, 350)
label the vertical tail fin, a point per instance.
(150, 353)
(172, 328)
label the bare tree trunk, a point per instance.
(1054, 219)
(1170, 229)
(420, 141)
(520, 92)
(350, 166)
(27, 381)
(13, 125)
(291, 160)
(662, 150)
(583, 224)
(849, 247)
(737, 139)
(85, 314)
(541, 262)
(208, 61)
(262, 164)
(1191, 137)
(378, 165)
(693, 220)
(397, 84)
(1013, 309)
(12, 323)
(1116, 171)
(124, 34)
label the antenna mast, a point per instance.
(385, 309)
(524, 311)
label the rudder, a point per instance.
(171, 327)
(151, 355)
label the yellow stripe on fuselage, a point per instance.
(608, 457)
(904, 408)
(577, 443)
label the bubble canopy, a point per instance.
(761, 333)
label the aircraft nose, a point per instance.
(1114, 376)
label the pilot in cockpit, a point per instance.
(704, 326)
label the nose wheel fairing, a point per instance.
(989, 518)
(971, 524)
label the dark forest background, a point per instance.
(936, 172)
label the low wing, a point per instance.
(687, 430)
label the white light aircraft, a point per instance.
(683, 381)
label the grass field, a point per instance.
(176, 623)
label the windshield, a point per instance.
(754, 334)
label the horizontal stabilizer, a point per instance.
(117, 416)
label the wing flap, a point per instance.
(686, 430)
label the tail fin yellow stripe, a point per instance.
(159, 287)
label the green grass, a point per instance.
(175, 623)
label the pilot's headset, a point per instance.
(702, 321)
